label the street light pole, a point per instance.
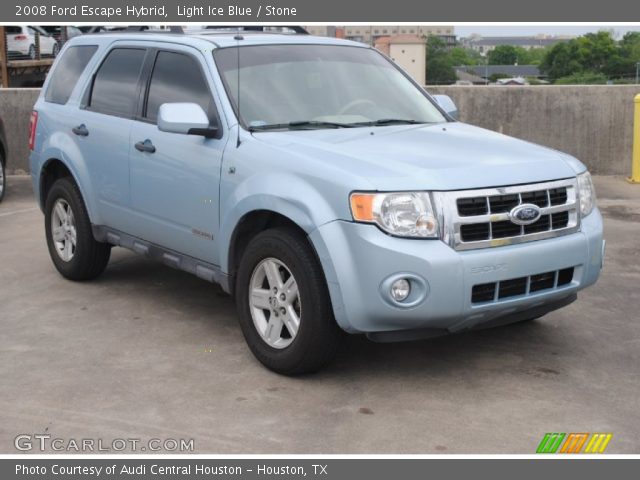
(486, 72)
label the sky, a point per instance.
(515, 30)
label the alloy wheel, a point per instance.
(274, 302)
(63, 230)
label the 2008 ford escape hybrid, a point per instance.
(313, 180)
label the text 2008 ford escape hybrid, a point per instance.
(313, 180)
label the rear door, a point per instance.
(175, 189)
(102, 128)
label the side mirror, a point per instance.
(447, 105)
(185, 118)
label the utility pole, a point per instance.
(486, 72)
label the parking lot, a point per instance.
(150, 352)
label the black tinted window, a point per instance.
(115, 88)
(177, 78)
(67, 72)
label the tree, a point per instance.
(596, 51)
(583, 79)
(561, 61)
(512, 55)
(439, 68)
(464, 56)
(630, 46)
(533, 56)
(503, 55)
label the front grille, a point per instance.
(541, 225)
(469, 207)
(481, 218)
(474, 232)
(514, 287)
(558, 196)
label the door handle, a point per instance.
(81, 130)
(145, 146)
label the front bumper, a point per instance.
(359, 259)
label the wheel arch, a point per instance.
(247, 227)
(53, 169)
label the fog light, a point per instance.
(400, 289)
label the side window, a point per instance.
(115, 87)
(67, 72)
(177, 78)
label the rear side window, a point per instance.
(67, 72)
(177, 78)
(115, 87)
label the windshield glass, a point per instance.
(320, 86)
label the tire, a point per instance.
(3, 179)
(32, 52)
(87, 258)
(318, 336)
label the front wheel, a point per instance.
(73, 250)
(283, 303)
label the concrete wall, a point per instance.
(16, 105)
(592, 123)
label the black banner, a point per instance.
(297, 11)
(316, 468)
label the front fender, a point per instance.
(287, 195)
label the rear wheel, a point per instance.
(283, 303)
(73, 250)
(3, 179)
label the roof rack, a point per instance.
(146, 28)
(260, 28)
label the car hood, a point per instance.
(447, 156)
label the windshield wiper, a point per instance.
(391, 121)
(301, 124)
(319, 123)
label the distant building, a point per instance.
(517, 81)
(371, 33)
(484, 45)
(408, 51)
(482, 73)
(325, 31)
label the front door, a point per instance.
(175, 178)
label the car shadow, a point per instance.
(511, 348)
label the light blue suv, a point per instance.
(313, 180)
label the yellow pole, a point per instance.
(635, 162)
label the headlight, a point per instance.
(587, 194)
(405, 214)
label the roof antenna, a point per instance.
(237, 38)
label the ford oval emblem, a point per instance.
(525, 214)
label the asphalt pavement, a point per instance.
(149, 352)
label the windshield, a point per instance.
(320, 86)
